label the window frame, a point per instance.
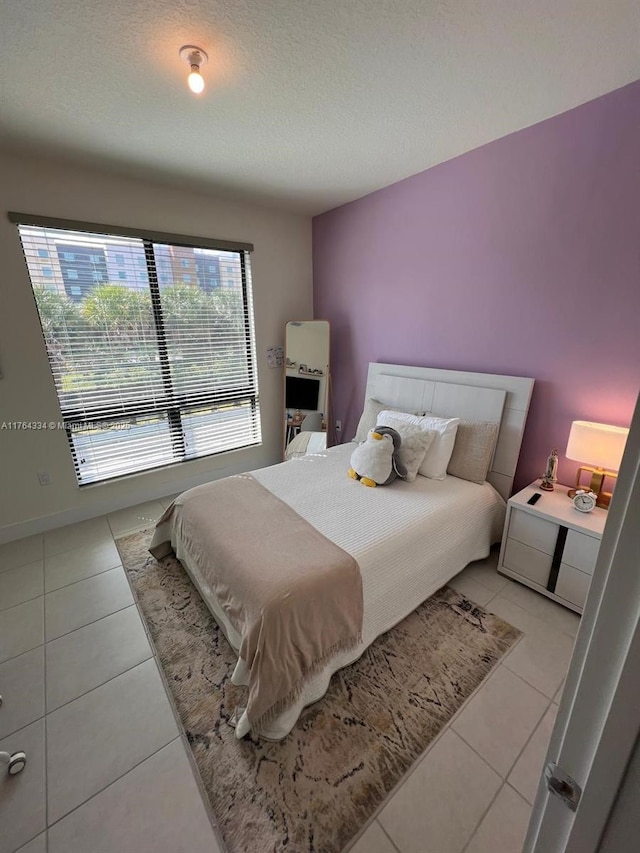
(172, 404)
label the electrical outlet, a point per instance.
(338, 426)
(43, 478)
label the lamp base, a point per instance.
(595, 486)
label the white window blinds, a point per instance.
(150, 343)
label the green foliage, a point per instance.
(111, 334)
(58, 313)
(196, 323)
(61, 321)
(118, 310)
(182, 304)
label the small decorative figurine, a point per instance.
(550, 475)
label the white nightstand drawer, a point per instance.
(572, 585)
(581, 551)
(536, 532)
(529, 562)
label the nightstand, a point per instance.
(551, 546)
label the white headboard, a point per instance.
(455, 393)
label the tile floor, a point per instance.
(108, 770)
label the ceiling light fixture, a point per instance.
(195, 57)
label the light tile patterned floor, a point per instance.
(72, 643)
(107, 769)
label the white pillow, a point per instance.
(436, 461)
(434, 464)
(369, 417)
(415, 441)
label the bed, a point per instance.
(407, 539)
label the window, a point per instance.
(71, 273)
(47, 272)
(42, 253)
(146, 376)
(122, 275)
(120, 259)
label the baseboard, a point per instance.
(139, 495)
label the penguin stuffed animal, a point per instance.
(375, 462)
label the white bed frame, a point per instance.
(455, 393)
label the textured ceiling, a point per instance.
(309, 103)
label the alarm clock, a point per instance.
(584, 501)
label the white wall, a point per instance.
(622, 833)
(282, 288)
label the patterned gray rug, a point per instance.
(311, 792)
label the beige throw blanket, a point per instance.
(293, 596)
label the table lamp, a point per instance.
(602, 447)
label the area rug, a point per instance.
(313, 791)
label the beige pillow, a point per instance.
(369, 417)
(415, 442)
(473, 450)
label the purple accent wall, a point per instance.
(520, 257)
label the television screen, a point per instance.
(301, 393)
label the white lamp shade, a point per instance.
(599, 445)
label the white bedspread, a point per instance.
(409, 539)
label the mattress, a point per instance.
(409, 539)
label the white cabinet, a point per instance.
(581, 551)
(527, 561)
(572, 585)
(534, 531)
(550, 546)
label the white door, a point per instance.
(599, 718)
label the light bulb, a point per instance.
(195, 57)
(196, 80)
